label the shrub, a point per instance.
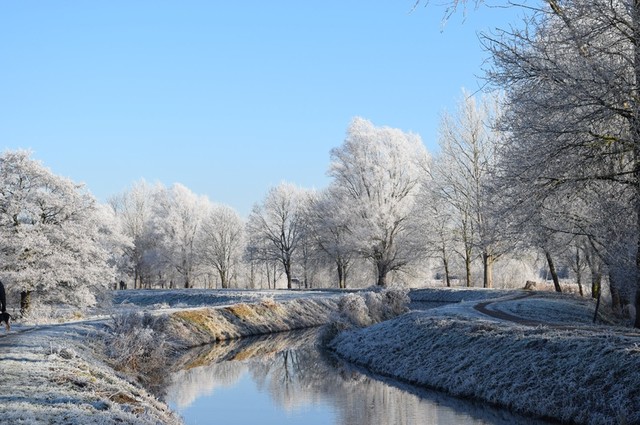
(137, 345)
(396, 301)
(371, 307)
(268, 302)
(354, 309)
(374, 302)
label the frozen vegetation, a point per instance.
(100, 370)
(111, 370)
(566, 370)
(53, 375)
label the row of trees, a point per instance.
(390, 211)
(483, 205)
(549, 168)
(60, 244)
(367, 215)
(569, 168)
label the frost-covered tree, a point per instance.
(378, 171)
(55, 240)
(221, 241)
(134, 209)
(461, 175)
(275, 226)
(572, 78)
(329, 225)
(309, 258)
(437, 220)
(178, 216)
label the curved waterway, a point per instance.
(286, 379)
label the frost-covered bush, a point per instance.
(138, 344)
(41, 314)
(268, 302)
(354, 309)
(395, 301)
(372, 307)
(374, 302)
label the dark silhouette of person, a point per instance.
(123, 285)
(3, 298)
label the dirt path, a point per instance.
(483, 307)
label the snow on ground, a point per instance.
(456, 295)
(575, 374)
(57, 374)
(184, 298)
(52, 376)
(567, 370)
(550, 308)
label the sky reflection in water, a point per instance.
(285, 379)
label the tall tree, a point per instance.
(329, 227)
(437, 218)
(573, 83)
(178, 215)
(462, 173)
(275, 226)
(378, 170)
(55, 240)
(221, 241)
(134, 209)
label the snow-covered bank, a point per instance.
(52, 376)
(56, 374)
(574, 374)
(194, 327)
(193, 297)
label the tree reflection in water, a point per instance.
(295, 373)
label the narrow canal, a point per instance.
(286, 379)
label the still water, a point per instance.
(285, 379)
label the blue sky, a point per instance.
(227, 98)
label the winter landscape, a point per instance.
(480, 345)
(478, 263)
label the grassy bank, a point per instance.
(59, 374)
(575, 374)
(195, 327)
(53, 375)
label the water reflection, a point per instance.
(286, 379)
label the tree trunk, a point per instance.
(467, 267)
(223, 279)
(25, 302)
(447, 277)
(488, 261)
(3, 299)
(596, 281)
(287, 271)
(275, 274)
(382, 273)
(342, 275)
(135, 277)
(579, 273)
(579, 279)
(552, 270)
(252, 275)
(595, 313)
(288, 280)
(614, 288)
(267, 267)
